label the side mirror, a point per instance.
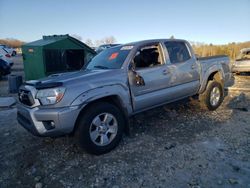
(138, 80)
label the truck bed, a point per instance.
(212, 62)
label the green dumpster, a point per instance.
(54, 54)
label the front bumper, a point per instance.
(50, 122)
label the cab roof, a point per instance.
(145, 42)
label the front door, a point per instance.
(148, 78)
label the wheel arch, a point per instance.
(112, 99)
(214, 75)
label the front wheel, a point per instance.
(212, 96)
(100, 128)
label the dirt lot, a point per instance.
(179, 147)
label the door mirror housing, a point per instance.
(138, 80)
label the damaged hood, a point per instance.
(83, 78)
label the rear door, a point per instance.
(183, 68)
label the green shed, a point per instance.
(54, 54)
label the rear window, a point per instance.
(111, 58)
(177, 51)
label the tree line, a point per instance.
(14, 43)
(105, 40)
(201, 49)
(230, 49)
(95, 43)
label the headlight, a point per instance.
(50, 96)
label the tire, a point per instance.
(92, 129)
(213, 96)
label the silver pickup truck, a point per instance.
(94, 104)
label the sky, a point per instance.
(209, 21)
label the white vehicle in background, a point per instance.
(242, 62)
(4, 55)
(10, 50)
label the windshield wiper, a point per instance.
(101, 67)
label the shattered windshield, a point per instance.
(111, 58)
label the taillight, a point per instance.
(8, 55)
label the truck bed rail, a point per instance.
(211, 57)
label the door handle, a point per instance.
(193, 66)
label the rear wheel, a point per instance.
(212, 96)
(100, 128)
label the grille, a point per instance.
(25, 97)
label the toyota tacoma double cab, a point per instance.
(95, 103)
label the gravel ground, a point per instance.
(180, 146)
